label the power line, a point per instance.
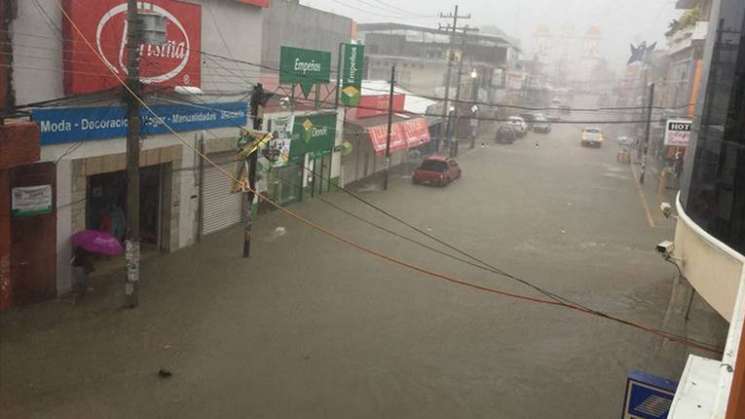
(381, 255)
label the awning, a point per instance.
(404, 135)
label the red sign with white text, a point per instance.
(404, 134)
(371, 106)
(103, 24)
(260, 3)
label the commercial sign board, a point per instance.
(648, 396)
(377, 105)
(404, 135)
(31, 200)
(103, 23)
(65, 125)
(678, 132)
(260, 3)
(314, 135)
(305, 67)
(351, 80)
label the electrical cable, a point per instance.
(388, 258)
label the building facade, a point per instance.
(710, 233)
(421, 57)
(198, 82)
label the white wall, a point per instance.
(38, 45)
(712, 268)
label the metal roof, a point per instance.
(375, 27)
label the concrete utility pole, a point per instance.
(454, 142)
(452, 30)
(646, 136)
(257, 115)
(132, 98)
(390, 128)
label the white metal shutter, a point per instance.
(222, 208)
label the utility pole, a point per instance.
(646, 136)
(132, 98)
(452, 29)
(474, 107)
(390, 128)
(454, 142)
(257, 115)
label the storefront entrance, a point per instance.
(106, 204)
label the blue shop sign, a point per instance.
(648, 396)
(67, 125)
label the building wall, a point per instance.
(37, 47)
(713, 186)
(287, 23)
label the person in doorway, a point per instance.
(82, 267)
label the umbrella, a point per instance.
(99, 242)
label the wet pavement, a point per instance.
(312, 328)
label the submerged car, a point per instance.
(519, 125)
(541, 124)
(592, 137)
(437, 170)
(506, 134)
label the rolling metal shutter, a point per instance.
(222, 209)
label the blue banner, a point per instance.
(67, 125)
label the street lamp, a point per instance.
(474, 108)
(451, 129)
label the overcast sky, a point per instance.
(622, 21)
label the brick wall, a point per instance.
(19, 144)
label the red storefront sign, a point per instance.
(404, 134)
(103, 23)
(260, 3)
(371, 106)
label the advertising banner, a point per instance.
(260, 3)
(31, 200)
(648, 396)
(305, 67)
(314, 134)
(678, 132)
(351, 80)
(370, 106)
(404, 134)
(103, 23)
(65, 125)
(282, 133)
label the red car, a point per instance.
(437, 170)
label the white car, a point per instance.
(592, 137)
(541, 124)
(519, 125)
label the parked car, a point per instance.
(519, 124)
(592, 137)
(541, 124)
(529, 119)
(565, 109)
(506, 134)
(437, 170)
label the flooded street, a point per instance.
(310, 327)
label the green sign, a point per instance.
(305, 67)
(314, 134)
(351, 81)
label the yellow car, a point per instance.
(592, 137)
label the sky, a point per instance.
(621, 21)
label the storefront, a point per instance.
(368, 138)
(304, 167)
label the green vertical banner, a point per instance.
(305, 67)
(351, 82)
